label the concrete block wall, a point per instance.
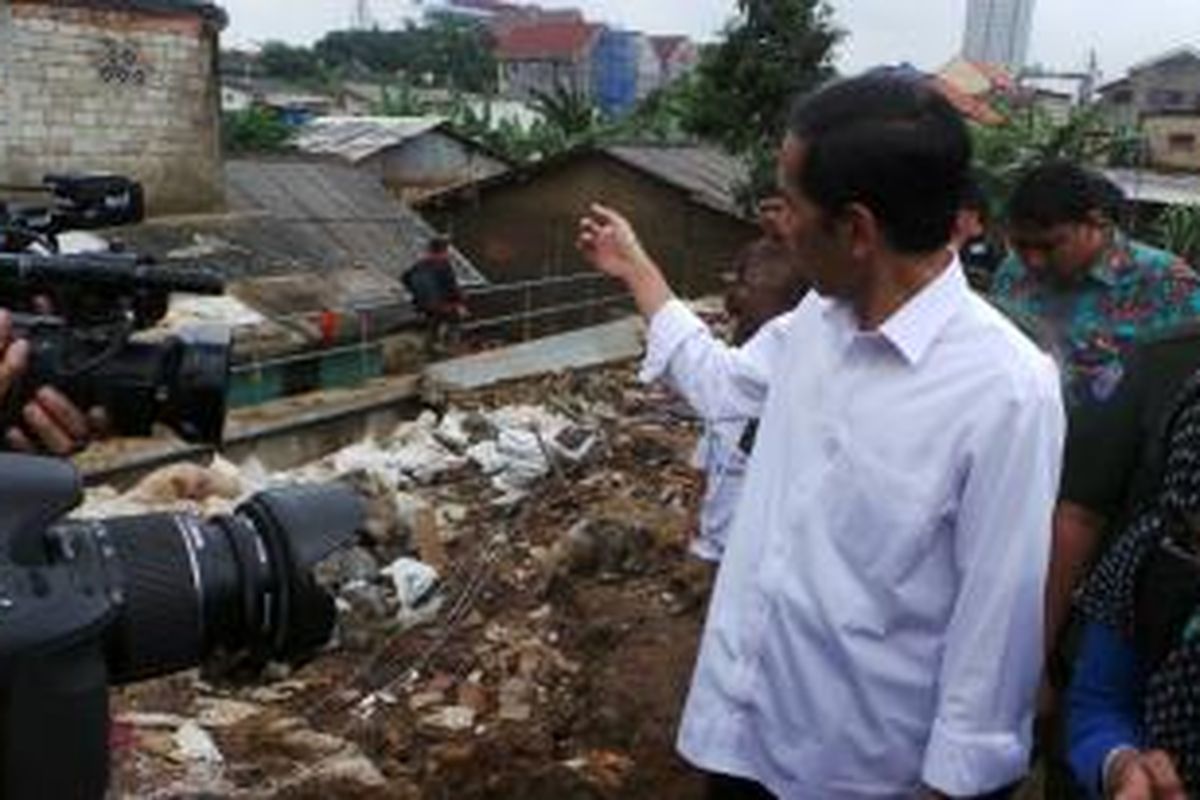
(86, 88)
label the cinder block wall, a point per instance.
(89, 88)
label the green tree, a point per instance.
(255, 130)
(1030, 136)
(279, 60)
(446, 51)
(773, 51)
(1178, 230)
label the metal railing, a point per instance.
(525, 316)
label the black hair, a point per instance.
(439, 244)
(1059, 192)
(890, 141)
(974, 198)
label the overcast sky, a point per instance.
(924, 32)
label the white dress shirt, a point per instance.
(877, 619)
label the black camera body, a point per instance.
(83, 315)
(89, 603)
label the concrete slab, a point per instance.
(589, 347)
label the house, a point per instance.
(677, 57)
(411, 156)
(1172, 140)
(1056, 105)
(120, 86)
(543, 57)
(301, 235)
(625, 69)
(294, 103)
(1168, 83)
(522, 225)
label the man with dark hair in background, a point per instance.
(1096, 295)
(1097, 290)
(974, 238)
(768, 283)
(876, 626)
(435, 291)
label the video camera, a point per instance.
(86, 603)
(80, 313)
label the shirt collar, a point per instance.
(913, 327)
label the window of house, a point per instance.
(1166, 98)
(1181, 143)
(1122, 97)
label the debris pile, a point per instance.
(519, 619)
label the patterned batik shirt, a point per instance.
(1132, 292)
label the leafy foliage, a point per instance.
(279, 60)
(445, 51)
(774, 51)
(255, 130)
(1030, 136)
(1178, 230)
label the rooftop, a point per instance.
(358, 138)
(209, 10)
(553, 40)
(709, 176)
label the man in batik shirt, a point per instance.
(1094, 290)
(1093, 294)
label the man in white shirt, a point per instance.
(875, 630)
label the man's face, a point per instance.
(820, 243)
(1060, 253)
(772, 216)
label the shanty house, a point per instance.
(546, 56)
(411, 156)
(522, 225)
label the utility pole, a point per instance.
(362, 15)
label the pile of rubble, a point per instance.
(518, 620)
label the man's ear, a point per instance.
(859, 231)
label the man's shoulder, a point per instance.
(1015, 354)
(1156, 264)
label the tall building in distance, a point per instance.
(998, 32)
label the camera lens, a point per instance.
(197, 383)
(239, 584)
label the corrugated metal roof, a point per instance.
(294, 215)
(359, 138)
(1143, 186)
(710, 175)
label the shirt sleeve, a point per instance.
(1102, 704)
(992, 661)
(720, 382)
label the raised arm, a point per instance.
(720, 382)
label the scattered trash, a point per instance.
(196, 745)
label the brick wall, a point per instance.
(130, 92)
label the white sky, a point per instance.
(924, 32)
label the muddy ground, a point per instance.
(555, 668)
